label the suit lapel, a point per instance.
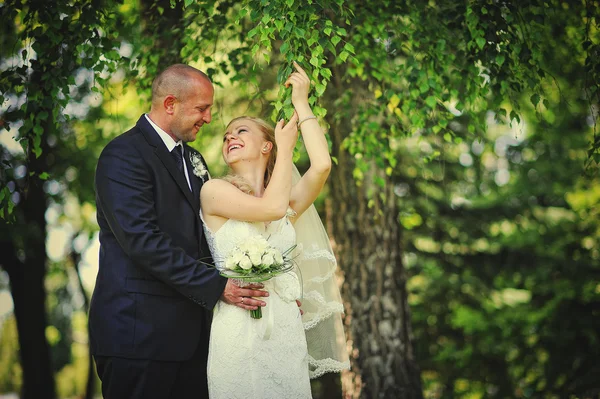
(160, 150)
(194, 180)
(196, 186)
(169, 163)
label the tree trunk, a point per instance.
(90, 385)
(26, 274)
(367, 238)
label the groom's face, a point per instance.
(193, 110)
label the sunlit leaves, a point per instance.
(393, 103)
(64, 38)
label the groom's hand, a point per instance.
(243, 296)
(299, 304)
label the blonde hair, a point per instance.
(268, 134)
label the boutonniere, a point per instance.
(199, 167)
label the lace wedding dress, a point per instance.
(258, 358)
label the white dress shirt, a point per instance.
(171, 146)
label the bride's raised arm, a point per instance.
(223, 199)
(307, 189)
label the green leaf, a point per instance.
(431, 101)
(500, 59)
(44, 176)
(480, 42)
(535, 99)
(252, 32)
(299, 32)
(335, 40)
(319, 89)
(546, 103)
(326, 73)
(242, 13)
(514, 116)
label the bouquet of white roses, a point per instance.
(255, 260)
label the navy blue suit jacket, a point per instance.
(153, 298)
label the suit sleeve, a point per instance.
(125, 191)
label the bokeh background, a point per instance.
(463, 205)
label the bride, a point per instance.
(275, 356)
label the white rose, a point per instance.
(260, 244)
(267, 259)
(244, 246)
(230, 263)
(233, 259)
(255, 257)
(245, 263)
(277, 256)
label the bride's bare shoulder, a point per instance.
(216, 184)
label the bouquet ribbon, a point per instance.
(269, 326)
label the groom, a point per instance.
(150, 313)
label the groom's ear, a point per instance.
(169, 104)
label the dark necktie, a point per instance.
(178, 156)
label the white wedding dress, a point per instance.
(258, 358)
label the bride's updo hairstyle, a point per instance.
(268, 134)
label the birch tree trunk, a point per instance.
(363, 219)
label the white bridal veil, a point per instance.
(321, 302)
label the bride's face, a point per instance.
(244, 141)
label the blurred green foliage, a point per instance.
(481, 114)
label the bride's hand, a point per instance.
(300, 83)
(287, 135)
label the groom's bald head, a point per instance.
(178, 80)
(182, 99)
